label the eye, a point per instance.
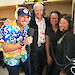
(63, 23)
(27, 16)
(54, 18)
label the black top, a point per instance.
(53, 37)
(66, 48)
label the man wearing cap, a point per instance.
(15, 39)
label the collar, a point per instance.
(39, 22)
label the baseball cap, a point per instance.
(23, 12)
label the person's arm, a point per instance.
(49, 58)
(62, 73)
(7, 47)
(8, 22)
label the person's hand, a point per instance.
(49, 60)
(8, 22)
(28, 40)
(62, 73)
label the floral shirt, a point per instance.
(41, 31)
(13, 34)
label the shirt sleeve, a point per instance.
(5, 33)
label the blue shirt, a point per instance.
(13, 34)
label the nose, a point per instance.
(25, 18)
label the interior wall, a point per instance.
(7, 12)
(64, 8)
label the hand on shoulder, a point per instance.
(8, 22)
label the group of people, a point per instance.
(51, 44)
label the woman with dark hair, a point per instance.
(53, 33)
(65, 51)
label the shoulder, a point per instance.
(70, 36)
(5, 27)
(32, 21)
(46, 20)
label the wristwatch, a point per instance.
(21, 43)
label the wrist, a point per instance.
(48, 55)
(21, 43)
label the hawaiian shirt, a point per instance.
(41, 31)
(13, 34)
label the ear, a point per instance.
(29, 18)
(16, 14)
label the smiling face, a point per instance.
(54, 19)
(38, 10)
(63, 24)
(23, 20)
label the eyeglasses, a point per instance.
(38, 10)
(54, 18)
(62, 23)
